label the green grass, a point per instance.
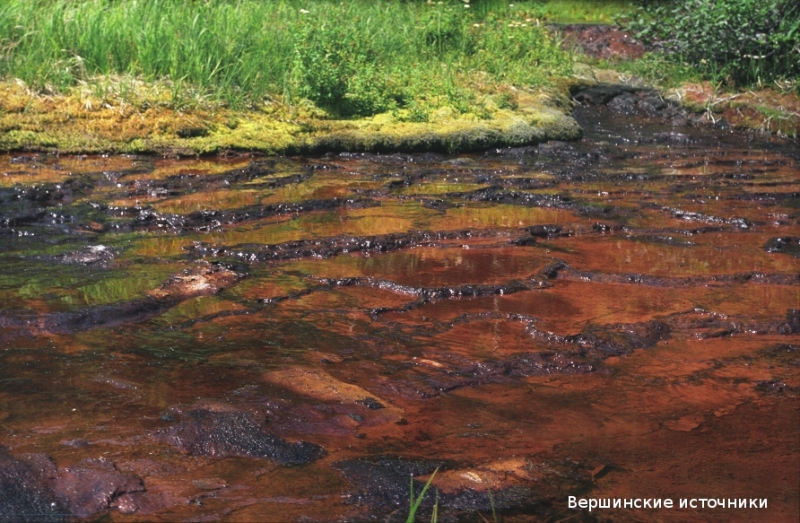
(662, 70)
(737, 43)
(582, 11)
(414, 502)
(353, 58)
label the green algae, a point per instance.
(482, 215)
(437, 188)
(198, 308)
(126, 286)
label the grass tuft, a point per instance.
(414, 502)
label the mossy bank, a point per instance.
(69, 123)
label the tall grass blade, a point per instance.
(415, 503)
(491, 499)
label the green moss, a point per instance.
(51, 124)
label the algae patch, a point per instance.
(67, 123)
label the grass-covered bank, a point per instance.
(290, 75)
(354, 58)
(735, 43)
(278, 76)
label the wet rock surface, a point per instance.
(383, 484)
(626, 100)
(95, 486)
(32, 488)
(787, 245)
(97, 255)
(223, 338)
(327, 247)
(24, 495)
(224, 434)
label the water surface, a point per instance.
(618, 317)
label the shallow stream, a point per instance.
(287, 339)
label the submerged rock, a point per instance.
(327, 247)
(95, 255)
(149, 219)
(383, 483)
(33, 489)
(615, 340)
(24, 494)
(232, 433)
(95, 487)
(205, 279)
(785, 244)
(320, 385)
(431, 294)
(512, 485)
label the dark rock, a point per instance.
(773, 387)
(101, 316)
(672, 138)
(371, 403)
(437, 205)
(512, 152)
(615, 340)
(94, 488)
(792, 322)
(384, 482)
(430, 294)
(192, 131)
(547, 231)
(604, 227)
(653, 104)
(739, 223)
(499, 195)
(384, 485)
(519, 365)
(625, 103)
(327, 247)
(722, 124)
(24, 495)
(148, 219)
(551, 271)
(27, 159)
(601, 94)
(95, 255)
(564, 271)
(222, 434)
(525, 242)
(32, 489)
(785, 244)
(50, 194)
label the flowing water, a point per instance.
(288, 339)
